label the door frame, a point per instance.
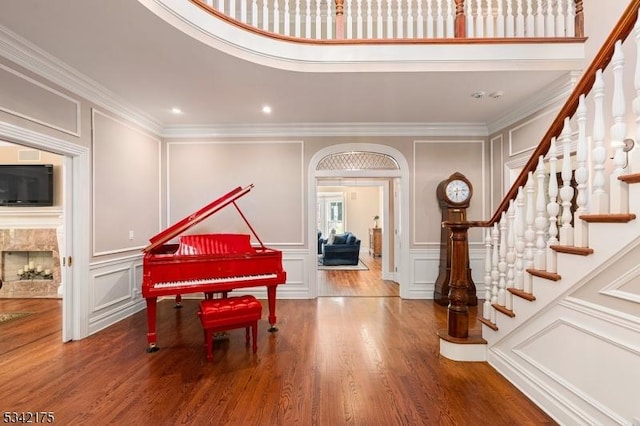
(76, 209)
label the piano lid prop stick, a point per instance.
(249, 225)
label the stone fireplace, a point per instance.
(29, 263)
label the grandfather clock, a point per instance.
(453, 194)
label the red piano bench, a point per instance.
(232, 312)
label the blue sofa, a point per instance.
(345, 250)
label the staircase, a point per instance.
(561, 309)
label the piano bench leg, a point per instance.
(178, 302)
(254, 330)
(208, 338)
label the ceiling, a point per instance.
(151, 66)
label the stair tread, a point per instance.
(488, 323)
(630, 178)
(582, 251)
(503, 310)
(608, 218)
(521, 293)
(544, 274)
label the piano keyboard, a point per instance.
(214, 280)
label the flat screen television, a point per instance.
(26, 184)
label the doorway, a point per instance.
(75, 222)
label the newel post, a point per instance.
(460, 21)
(458, 311)
(579, 19)
(339, 19)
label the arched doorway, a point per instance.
(369, 161)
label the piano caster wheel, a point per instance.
(178, 306)
(153, 348)
(272, 329)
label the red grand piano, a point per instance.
(207, 263)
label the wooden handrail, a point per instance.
(620, 32)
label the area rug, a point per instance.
(4, 317)
(359, 267)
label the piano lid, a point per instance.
(196, 217)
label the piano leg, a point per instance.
(151, 324)
(271, 297)
(178, 301)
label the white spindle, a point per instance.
(449, 29)
(539, 19)
(399, 21)
(329, 19)
(560, 20)
(232, 9)
(419, 20)
(243, 12)
(379, 26)
(499, 20)
(471, 32)
(254, 13)
(520, 243)
(221, 6)
(358, 19)
(566, 192)
(636, 80)
(540, 223)
(529, 233)
(276, 17)
(529, 21)
(553, 208)
(550, 21)
(286, 19)
(389, 19)
(486, 306)
(349, 19)
(479, 26)
(409, 25)
(570, 26)
(580, 228)
(439, 20)
(318, 20)
(265, 15)
(369, 19)
(297, 29)
(511, 252)
(502, 263)
(489, 25)
(495, 275)
(519, 19)
(209, 2)
(618, 193)
(510, 21)
(600, 198)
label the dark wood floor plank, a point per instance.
(335, 361)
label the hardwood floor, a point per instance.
(357, 283)
(334, 361)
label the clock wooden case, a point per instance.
(454, 196)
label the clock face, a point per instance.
(457, 191)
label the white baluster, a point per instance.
(265, 15)
(520, 243)
(439, 20)
(570, 21)
(553, 208)
(540, 223)
(232, 9)
(349, 20)
(358, 19)
(580, 228)
(449, 21)
(510, 21)
(489, 31)
(499, 20)
(430, 21)
(636, 80)
(619, 196)
(479, 27)
(529, 233)
(287, 19)
(379, 26)
(329, 18)
(399, 21)
(486, 306)
(600, 198)
(502, 263)
(566, 192)
(410, 19)
(389, 20)
(369, 19)
(307, 18)
(539, 19)
(297, 28)
(243, 12)
(511, 253)
(471, 32)
(254, 13)
(560, 20)
(221, 6)
(550, 25)
(318, 20)
(419, 20)
(519, 20)
(495, 275)
(529, 21)
(276, 17)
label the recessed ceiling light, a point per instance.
(496, 95)
(477, 95)
(266, 109)
(176, 110)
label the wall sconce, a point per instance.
(628, 146)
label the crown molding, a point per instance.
(27, 55)
(556, 92)
(326, 129)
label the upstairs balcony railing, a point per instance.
(407, 20)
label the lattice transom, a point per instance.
(358, 160)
